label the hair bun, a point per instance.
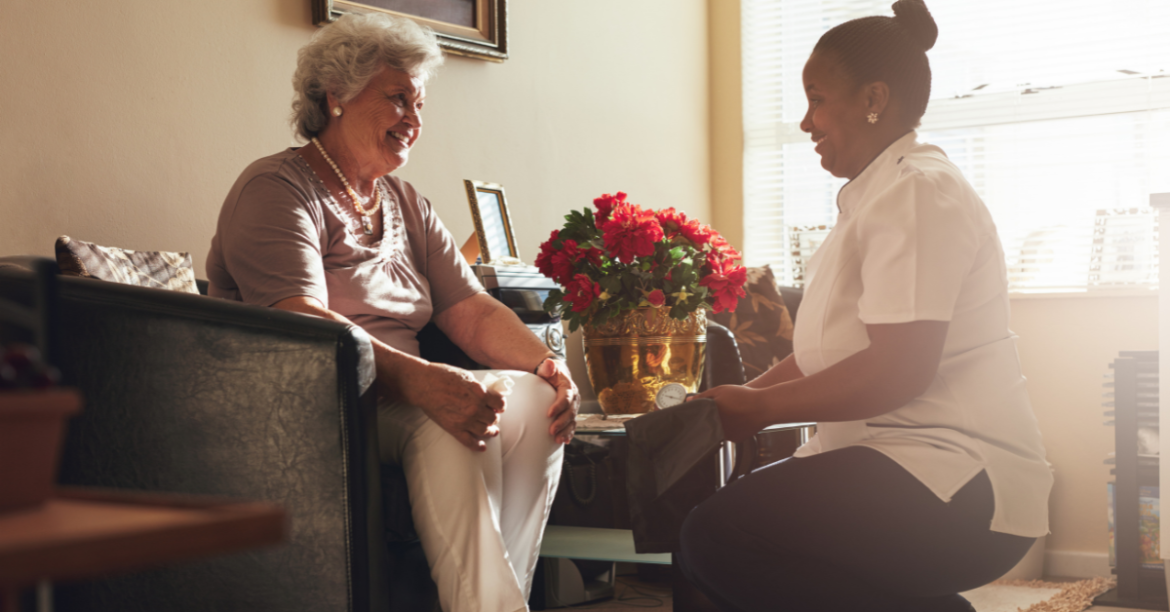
(915, 19)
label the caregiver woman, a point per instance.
(927, 475)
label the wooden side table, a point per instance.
(86, 533)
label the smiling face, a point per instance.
(836, 117)
(378, 127)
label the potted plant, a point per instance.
(639, 283)
(32, 418)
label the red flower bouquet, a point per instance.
(622, 256)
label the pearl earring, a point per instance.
(872, 118)
(337, 112)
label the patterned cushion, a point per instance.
(157, 269)
(761, 323)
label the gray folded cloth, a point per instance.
(670, 470)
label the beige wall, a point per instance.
(126, 123)
(1066, 345)
(726, 121)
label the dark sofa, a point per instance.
(190, 394)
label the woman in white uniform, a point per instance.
(927, 475)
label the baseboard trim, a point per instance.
(1071, 564)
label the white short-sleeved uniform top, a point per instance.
(914, 242)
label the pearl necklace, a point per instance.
(353, 196)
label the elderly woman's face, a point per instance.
(836, 117)
(384, 121)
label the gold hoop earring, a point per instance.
(872, 118)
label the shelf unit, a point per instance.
(1134, 393)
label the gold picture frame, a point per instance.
(481, 32)
(493, 223)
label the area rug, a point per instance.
(1000, 596)
(1038, 595)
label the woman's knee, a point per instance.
(529, 400)
(525, 422)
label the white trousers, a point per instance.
(480, 515)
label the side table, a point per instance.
(86, 533)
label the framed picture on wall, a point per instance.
(493, 223)
(474, 28)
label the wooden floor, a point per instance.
(633, 593)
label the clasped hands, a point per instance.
(470, 412)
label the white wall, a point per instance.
(126, 123)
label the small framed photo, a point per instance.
(493, 223)
(473, 28)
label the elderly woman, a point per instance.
(927, 475)
(325, 230)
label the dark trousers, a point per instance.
(847, 530)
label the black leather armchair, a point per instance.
(190, 394)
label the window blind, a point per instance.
(1058, 113)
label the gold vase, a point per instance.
(631, 357)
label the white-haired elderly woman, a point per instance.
(325, 230)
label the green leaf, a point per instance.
(612, 284)
(629, 281)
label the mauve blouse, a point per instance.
(281, 234)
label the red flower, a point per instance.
(580, 292)
(722, 248)
(698, 233)
(544, 259)
(563, 263)
(631, 232)
(593, 256)
(725, 282)
(671, 220)
(656, 298)
(563, 260)
(605, 205)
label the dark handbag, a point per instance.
(672, 468)
(585, 496)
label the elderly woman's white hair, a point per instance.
(342, 57)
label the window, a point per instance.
(1058, 113)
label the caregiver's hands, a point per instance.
(739, 410)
